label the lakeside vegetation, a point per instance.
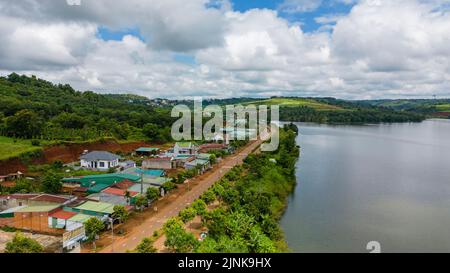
(248, 202)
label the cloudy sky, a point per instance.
(353, 49)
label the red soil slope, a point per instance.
(68, 153)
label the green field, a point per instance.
(10, 149)
(293, 102)
(443, 107)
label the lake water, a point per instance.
(385, 183)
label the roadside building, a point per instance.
(115, 196)
(106, 179)
(59, 219)
(185, 148)
(33, 199)
(99, 160)
(36, 219)
(127, 164)
(124, 185)
(165, 163)
(202, 164)
(98, 209)
(146, 151)
(206, 148)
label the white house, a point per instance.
(185, 148)
(99, 160)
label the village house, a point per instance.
(208, 147)
(185, 148)
(165, 163)
(99, 160)
(146, 151)
(202, 164)
(33, 199)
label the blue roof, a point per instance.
(155, 173)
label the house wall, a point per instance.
(97, 164)
(158, 164)
(35, 221)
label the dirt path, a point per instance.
(157, 219)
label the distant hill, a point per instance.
(430, 107)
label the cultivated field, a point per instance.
(10, 148)
(294, 102)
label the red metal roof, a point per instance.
(62, 214)
(119, 192)
(123, 185)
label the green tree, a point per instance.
(209, 196)
(200, 207)
(146, 246)
(120, 213)
(187, 214)
(24, 124)
(141, 202)
(177, 239)
(152, 193)
(52, 182)
(93, 227)
(151, 131)
(168, 186)
(22, 244)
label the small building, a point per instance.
(124, 185)
(202, 164)
(165, 163)
(58, 219)
(206, 148)
(33, 199)
(151, 173)
(127, 164)
(185, 148)
(114, 196)
(147, 151)
(99, 160)
(107, 179)
(36, 219)
(98, 209)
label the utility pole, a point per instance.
(142, 182)
(112, 234)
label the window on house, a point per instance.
(101, 164)
(5, 202)
(20, 204)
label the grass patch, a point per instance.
(443, 107)
(11, 149)
(294, 102)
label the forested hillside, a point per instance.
(38, 109)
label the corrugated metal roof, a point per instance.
(97, 207)
(145, 149)
(39, 208)
(80, 218)
(62, 214)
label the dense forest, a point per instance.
(38, 109)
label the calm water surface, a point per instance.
(385, 183)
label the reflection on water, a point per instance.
(385, 183)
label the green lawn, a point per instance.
(290, 102)
(10, 149)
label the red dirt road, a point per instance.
(157, 220)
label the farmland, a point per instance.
(10, 148)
